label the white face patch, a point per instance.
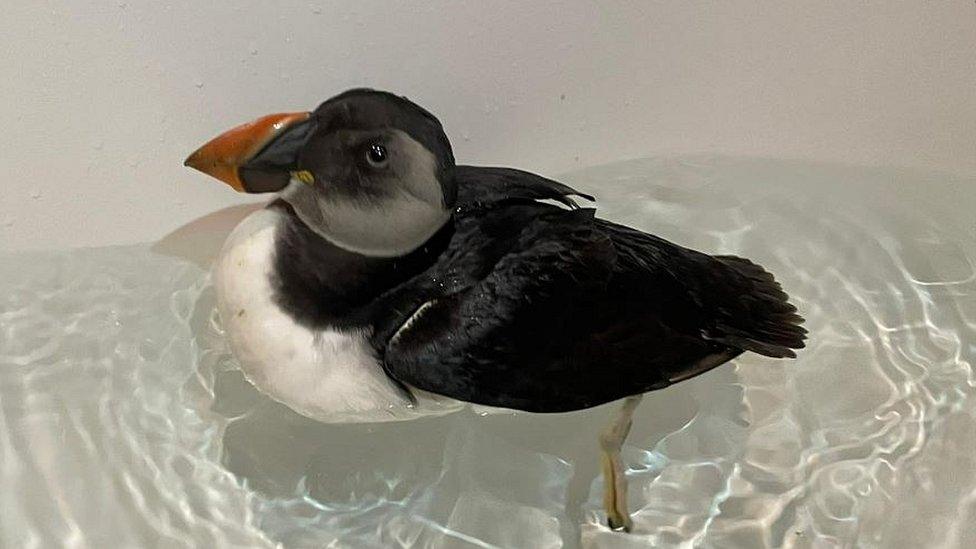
(389, 227)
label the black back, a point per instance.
(540, 308)
(533, 306)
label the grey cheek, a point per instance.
(305, 201)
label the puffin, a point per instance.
(385, 282)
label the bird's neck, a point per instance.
(320, 284)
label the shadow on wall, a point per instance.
(200, 240)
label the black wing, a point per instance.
(479, 185)
(725, 299)
(543, 309)
(503, 339)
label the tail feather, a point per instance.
(773, 327)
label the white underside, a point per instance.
(328, 375)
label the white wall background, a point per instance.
(102, 100)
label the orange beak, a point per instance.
(223, 156)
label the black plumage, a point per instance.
(538, 307)
(551, 310)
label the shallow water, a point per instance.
(123, 421)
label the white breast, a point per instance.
(328, 375)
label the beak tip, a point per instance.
(193, 161)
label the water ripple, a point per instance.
(124, 421)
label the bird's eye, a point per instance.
(376, 155)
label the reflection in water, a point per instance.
(123, 420)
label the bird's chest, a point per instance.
(328, 374)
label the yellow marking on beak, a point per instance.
(304, 176)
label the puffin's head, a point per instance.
(367, 170)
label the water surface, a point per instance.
(124, 421)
